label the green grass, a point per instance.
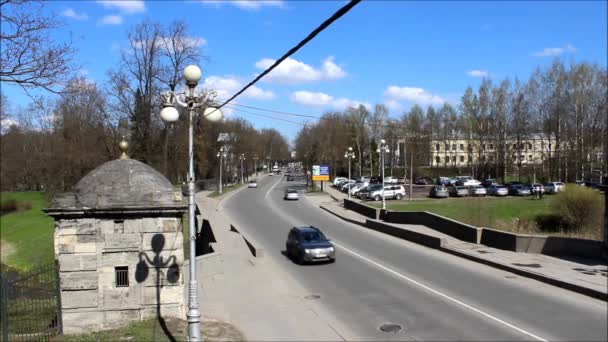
(505, 213)
(29, 233)
(226, 190)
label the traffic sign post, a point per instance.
(320, 173)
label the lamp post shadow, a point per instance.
(143, 270)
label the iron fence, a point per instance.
(30, 304)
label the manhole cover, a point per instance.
(510, 277)
(312, 297)
(390, 327)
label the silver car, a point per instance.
(477, 190)
(459, 191)
(498, 190)
(291, 194)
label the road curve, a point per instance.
(378, 279)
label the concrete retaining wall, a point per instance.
(419, 238)
(541, 244)
(362, 209)
(439, 223)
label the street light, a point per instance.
(350, 155)
(242, 158)
(255, 163)
(192, 75)
(383, 148)
(221, 154)
(268, 163)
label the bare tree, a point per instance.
(29, 57)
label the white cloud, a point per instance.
(292, 71)
(555, 51)
(393, 105)
(229, 85)
(111, 20)
(246, 4)
(318, 99)
(412, 94)
(70, 13)
(6, 123)
(478, 73)
(125, 6)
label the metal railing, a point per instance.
(30, 304)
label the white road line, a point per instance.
(272, 187)
(441, 294)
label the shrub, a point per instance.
(12, 205)
(580, 209)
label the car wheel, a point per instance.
(377, 198)
(398, 197)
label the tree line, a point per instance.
(52, 143)
(566, 106)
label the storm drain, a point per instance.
(313, 296)
(390, 327)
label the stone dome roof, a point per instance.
(124, 183)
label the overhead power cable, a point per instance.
(293, 50)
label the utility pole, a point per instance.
(411, 174)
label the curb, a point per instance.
(539, 277)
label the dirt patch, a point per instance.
(213, 330)
(6, 249)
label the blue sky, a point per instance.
(392, 52)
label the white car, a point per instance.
(270, 173)
(339, 179)
(390, 180)
(477, 190)
(390, 192)
(291, 194)
(253, 184)
(471, 182)
(554, 187)
(497, 190)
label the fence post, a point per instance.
(4, 306)
(58, 291)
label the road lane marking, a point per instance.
(272, 187)
(441, 294)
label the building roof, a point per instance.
(121, 183)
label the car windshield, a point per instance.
(374, 187)
(292, 191)
(312, 236)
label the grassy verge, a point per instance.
(226, 190)
(27, 235)
(151, 330)
(514, 214)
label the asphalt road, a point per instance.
(378, 279)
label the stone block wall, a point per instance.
(89, 250)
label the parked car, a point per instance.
(355, 188)
(390, 180)
(519, 190)
(339, 179)
(477, 190)
(468, 182)
(488, 182)
(344, 186)
(423, 181)
(290, 178)
(309, 244)
(291, 194)
(375, 180)
(364, 193)
(364, 179)
(270, 173)
(554, 187)
(537, 187)
(443, 181)
(341, 183)
(439, 191)
(458, 191)
(253, 184)
(497, 190)
(390, 192)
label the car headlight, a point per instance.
(308, 251)
(331, 249)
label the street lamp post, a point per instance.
(221, 154)
(268, 163)
(383, 148)
(242, 158)
(350, 155)
(255, 163)
(169, 113)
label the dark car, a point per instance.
(375, 180)
(519, 190)
(308, 244)
(423, 181)
(290, 178)
(490, 181)
(439, 191)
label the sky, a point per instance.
(394, 52)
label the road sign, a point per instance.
(320, 172)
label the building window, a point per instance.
(483, 147)
(549, 147)
(514, 146)
(119, 226)
(461, 159)
(462, 147)
(437, 159)
(491, 146)
(453, 147)
(470, 159)
(483, 158)
(447, 159)
(529, 157)
(529, 146)
(122, 276)
(491, 158)
(437, 147)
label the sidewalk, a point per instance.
(589, 277)
(252, 293)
